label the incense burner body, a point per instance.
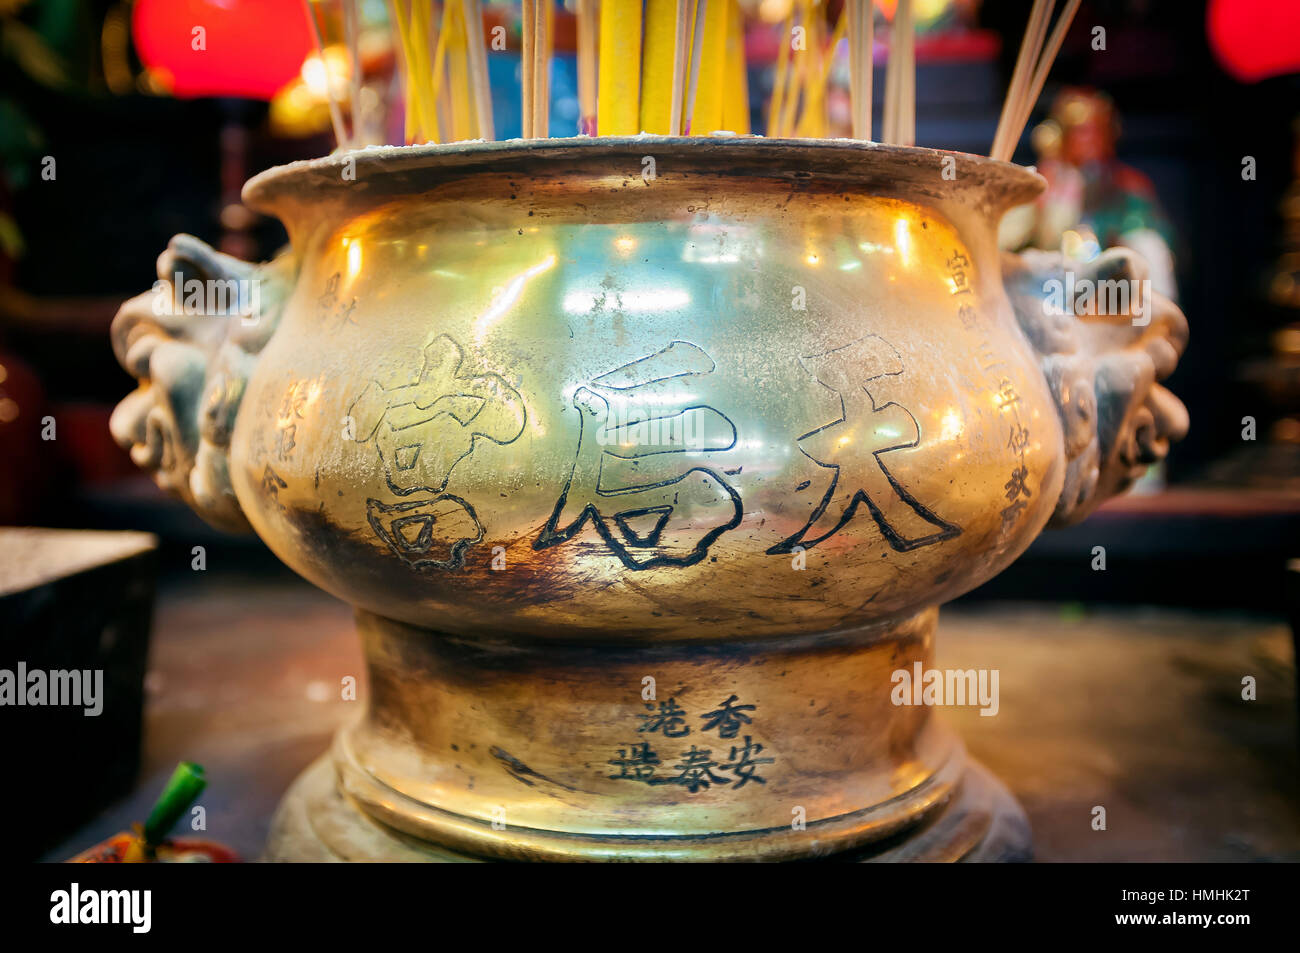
(564, 417)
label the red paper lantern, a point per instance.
(245, 48)
(1255, 39)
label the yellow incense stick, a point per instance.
(797, 78)
(708, 100)
(657, 51)
(812, 121)
(438, 131)
(618, 104)
(479, 84)
(705, 110)
(425, 76)
(735, 96)
(463, 121)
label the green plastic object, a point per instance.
(186, 783)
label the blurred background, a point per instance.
(1176, 129)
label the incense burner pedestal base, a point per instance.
(764, 750)
(317, 823)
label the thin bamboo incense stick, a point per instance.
(479, 82)
(352, 37)
(889, 123)
(618, 100)
(906, 132)
(541, 64)
(697, 54)
(587, 66)
(336, 115)
(1020, 77)
(681, 63)
(1012, 134)
(527, 71)
(1044, 66)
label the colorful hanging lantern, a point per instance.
(1255, 39)
(244, 48)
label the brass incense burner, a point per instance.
(645, 462)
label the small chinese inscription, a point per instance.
(958, 274)
(1006, 398)
(335, 311)
(695, 767)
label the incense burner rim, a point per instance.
(983, 182)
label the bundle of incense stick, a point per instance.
(444, 69)
(1030, 74)
(899, 124)
(668, 67)
(798, 107)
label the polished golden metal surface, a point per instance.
(730, 414)
(559, 745)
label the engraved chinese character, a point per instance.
(639, 478)
(1017, 485)
(696, 771)
(330, 305)
(1011, 513)
(425, 424)
(744, 765)
(670, 719)
(295, 401)
(854, 450)
(728, 718)
(635, 763)
(272, 484)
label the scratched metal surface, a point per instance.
(1137, 711)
